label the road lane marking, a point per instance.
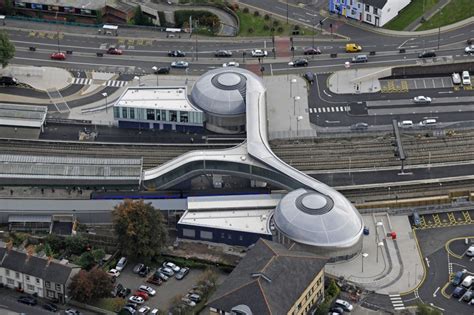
(436, 291)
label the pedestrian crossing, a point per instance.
(329, 109)
(111, 83)
(397, 302)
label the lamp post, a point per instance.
(155, 69)
(287, 11)
(139, 80)
(296, 98)
(297, 124)
(379, 245)
(106, 100)
(364, 255)
(291, 86)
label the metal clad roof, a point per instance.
(22, 115)
(29, 218)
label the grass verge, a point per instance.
(409, 14)
(455, 11)
(110, 304)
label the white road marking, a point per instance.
(436, 291)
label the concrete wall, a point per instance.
(432, 70)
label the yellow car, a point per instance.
(353, 47)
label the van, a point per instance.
(405, 124)
(352, 47)
(467, 282)
(466, 78)
(359, 59)
(470, 251)
(121, 264)
(416, 219)
(428, 122)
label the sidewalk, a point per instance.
(354, 81)
(427, 15)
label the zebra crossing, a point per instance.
(397, 302)
(331, 109)
(111, 83)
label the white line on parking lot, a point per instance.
(427, 262)
(436, 291)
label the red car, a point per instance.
(141, 294)
(58, 56)
(114, 51)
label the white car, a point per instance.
(171, 266)
(466, 78)
(422, 99)
(144, 309)
(346, 306)
(179, 64)
(114, 273)
(136, 299)
(259, 53)
(154, 311)
(147, 289)
(456, 78)
(469, 49)
(231, 64)
(188, 302)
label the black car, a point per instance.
(312, 51)
(300, 63)
(427, 54)
(182, 273)
(144, 271)
(8, 81)
(132, 305)
(163, 70)
(223, 53)
(310, 77)
(360, 126)
(336, 309)
(50, 307)
(176, 53)
(27, 300)
(124, 292)
(458, 292)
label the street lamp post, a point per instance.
(379, 245)
(364, 255)
(297, 124)
(155, 69)
(291, 86)
(287, 11)
(137, 78)
(296, 98)
(106, 100)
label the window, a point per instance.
(116, 112)
(124, 112)
(37, 281)
(173, 115)
(353, 12)
(158, 114)
(27, 278)
(206, 235)
(229, 236)
(375, 10)
(58, 287)
(132, 113)
(189, 233)
(367, 8)
(17, 275)
(10, 281)
(368, 18)
(150, 114)
(30, 287)
(7, 272)
(241, 238)
(183, 117)
(47, 284)
(222, 235)
(50, 294)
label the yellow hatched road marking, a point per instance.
(436, 219)
(452, 218)
(467, 216)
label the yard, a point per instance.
(410, 13)
(455, 11)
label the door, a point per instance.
(377, 21)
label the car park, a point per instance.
(353, 47)
(231, 64)
(50, 307)
(259, 53)
(166, 271)
(171, 265)
(121, 264)
(298, 63)
(8, 81)
(136, 299)
(360, 126)
(422, 99)
(458, 292)
(470, 251)
(114, 51)
(27, 300)
(162, 70)
(466, 78)
(114, 273)
(359, 59)
(137, 268)
(176, 53)
(182, 273)
(179, 64)
(312, 51)
(147, 289)
(456, 78)
(469, 49)
(427, 54)
(346, 306)
(223, 53)
(58, 56)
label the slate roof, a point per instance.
(376, 3)
(34, 266)
(284, 276)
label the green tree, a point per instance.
(86, 260)
(98, 254)
(423, 309)
(140, 229)
(333, 289)
(141, 19)
(55, 242)
(323, 309)
(7, 8)
(75, 244)
(47, 250)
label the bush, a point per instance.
(296, 28)
(266, 17)
(245, 10)
(280, 29)
(266, 27)
(250, 30)
(256, 13)
(276, 23)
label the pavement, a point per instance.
(358, 80)
(40, 78)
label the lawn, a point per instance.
(110, 304)
(251, 25)
(410, 13)
(455, 11)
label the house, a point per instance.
(375, 12)
(271, 279)
(35, 275)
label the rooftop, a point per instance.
(234, 202)
(22, 116)
(81, 4)
(169, 98)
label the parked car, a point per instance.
(116, 290)
(159, 275)
(179, 64)
(136, 299)
(469, 49)
(430, 122)
(310, 77)
(167, 271)
(360, 126)
(259, 53)
(176, 53)
(458, 292)
(405, 124)
(143, 310)
(182, 273)
(416, 219)
(130, 310)
(427, 54)
(231, 64)
(58, 56)
(312, 51)
(467, 297)
(163, 70)
(144, 271)
(353, 47)
(458, 277)
(470, 251)
(27, 300)
(121, 263)
(466, 78)
(147, 289)
(72, 311)
(154, 311)
(188, 302)
(155, 279)
(8, 81)
(346, 306)
(359, 59)
(50, 307)
(171, 265)
(422, 99)
(114, 273)
(467, 282)
(456, 78)
(114, 51)
(194, 297)
(223, 53)
(132, 305)
(142, 294)
(124, 292)
(299, 63)
(337, 310)
(137, 268)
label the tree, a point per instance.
(102, 284)
(141, 19)
(7, 8)
(140, 229)
(81, 287)
(86, 260)
(333, 289)
(55, 242)
(423, 309)
(75, 244)
(7, 49)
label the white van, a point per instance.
(405, 124)
(466, 78)
(428, 122)
(121, 264)
(467, 282)
(470, 251)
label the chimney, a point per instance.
(10, 245)
(30, 250)
(49, 261)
